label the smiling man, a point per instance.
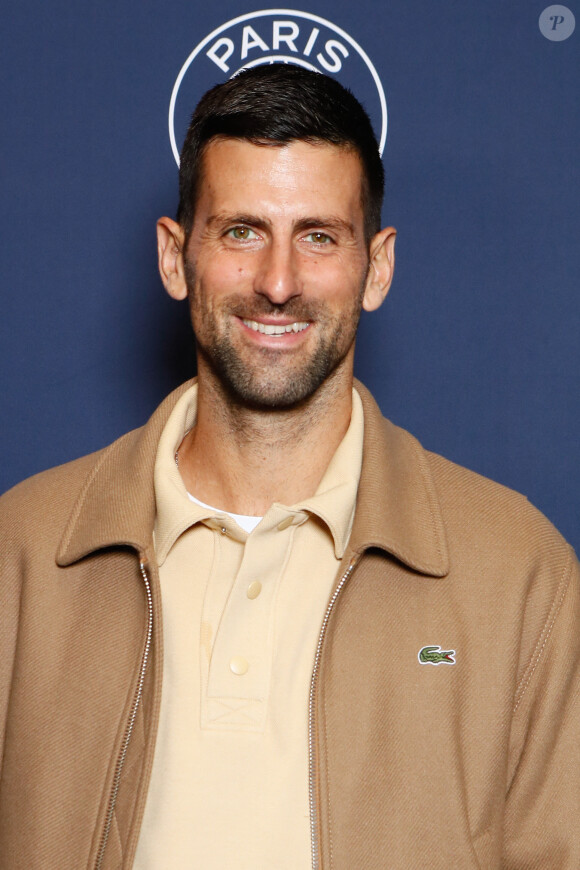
(276, 267)
(270, 630)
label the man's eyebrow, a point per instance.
(222, 219)
(321, 222)
(328, 222)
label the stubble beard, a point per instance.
(271, 379)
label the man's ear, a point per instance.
(381, 267)
(170, 242)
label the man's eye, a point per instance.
(319, 238)
(242, 234)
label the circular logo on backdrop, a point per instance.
(557, 23)
(275, 36)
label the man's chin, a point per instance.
(268, 394)
(266, 399)
(274, 381)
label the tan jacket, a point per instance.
(472, 762)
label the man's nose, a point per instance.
(277, 276)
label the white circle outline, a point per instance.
(261, 13)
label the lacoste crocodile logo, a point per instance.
(434, 655)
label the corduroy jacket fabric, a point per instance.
(472, 762)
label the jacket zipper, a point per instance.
(311, 723)
(131, 721)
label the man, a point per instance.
(269, 630)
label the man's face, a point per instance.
(275, 267)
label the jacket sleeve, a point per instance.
(542, 817)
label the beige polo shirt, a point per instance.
(241, 619)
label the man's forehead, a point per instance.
(262, 148)
(299, 166)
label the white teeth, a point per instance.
(273, 329)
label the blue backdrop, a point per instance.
(475, 351)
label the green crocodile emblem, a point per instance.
(434, 655)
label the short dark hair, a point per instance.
(273, 105)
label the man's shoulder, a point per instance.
(465, 482)
(473, 513)
(472, 496)
(495, 538)
(49, 496)
(449, 500)
(493, 526)
(55, 489)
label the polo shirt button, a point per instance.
(287, 521)
(254, 589)
(239, 666)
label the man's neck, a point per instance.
(243, 460)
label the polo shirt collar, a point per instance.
(334, 501)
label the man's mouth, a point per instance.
(275, 328)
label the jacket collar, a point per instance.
(397, 506)
(116, 505)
